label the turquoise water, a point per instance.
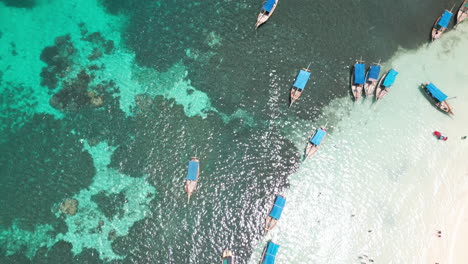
(104, 102)
(380, 177)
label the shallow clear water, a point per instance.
(372, 190)
(105, 102)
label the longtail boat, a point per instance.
(437, 97)
(314, 142)
(269, 254)
(372, 77)
(384, 84)
(275, 213)
(227, 258)
(462, 12)
(441, 24)
(267, 10)
(192, 176)
(357, 79)
(299, 85)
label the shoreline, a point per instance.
(449, 248)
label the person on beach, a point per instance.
(440, 136)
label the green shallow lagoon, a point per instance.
(104, 102)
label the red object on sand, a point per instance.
(440, 136)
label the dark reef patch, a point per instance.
(77, 93)
(110, 204)
(40, 166)
(160, 32)
(115, 7)
(13, 49)
(20, 3)
(101, 44)
(12, 102)
(60, 252)
(58, 59)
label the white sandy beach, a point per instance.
(451, 246)
(387, 184)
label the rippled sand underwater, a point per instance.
(89, 115)
(375, 189)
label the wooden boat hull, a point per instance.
(263, 16)
(437, 32)
(270, 223)
(381, 91)
(369, 87)
(294, 95)
(310, 150)
(191, 186)
(357, 91)
(227, 257)
(442, 106)
(462, 12)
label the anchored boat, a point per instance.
(384, 84)
(275, 213)
(192, 176)
(462, 12)
(438, 97)
(372, 77)
(267, 10)
(228, 258)
(299, 84)
(441, 25)
(269, 254)
(314, 142)
(357, 79)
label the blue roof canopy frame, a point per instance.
(277, 209)
(302, 79)
(318, 137)
(445, 19)
(192, 170)
(268, 5)
(374, 72)
(359, 73)
(270, 254)
(436, 93)
(390, 78)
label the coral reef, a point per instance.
(76, 93)
(69, 206)
(58, 59)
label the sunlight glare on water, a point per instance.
(370, 190)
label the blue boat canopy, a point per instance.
(192, 170)
(270, 254)
(317, 138)
(436, 93)
(445, 19)
(302, 79)
(227, 260)
(280, 201)
(390, 78)
(374, 72)
(359, 73)
(269, 5)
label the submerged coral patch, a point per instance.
(58, 59)
(108, 207)
(20, 3)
